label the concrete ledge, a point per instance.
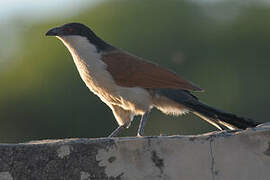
(218, 155)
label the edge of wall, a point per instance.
(216, 155)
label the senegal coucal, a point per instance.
(131, 86)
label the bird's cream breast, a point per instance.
(98, 80)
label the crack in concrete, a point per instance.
(159, 162)
(214, 172)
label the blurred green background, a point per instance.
(223, 46)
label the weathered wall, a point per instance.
(221, 155)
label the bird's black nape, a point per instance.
(80, 30)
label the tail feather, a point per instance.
(228, 120)
(214, 122)
(214, 116)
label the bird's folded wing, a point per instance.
(130, 71)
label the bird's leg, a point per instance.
(142, 124)
(116, 131)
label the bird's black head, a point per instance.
(70, 29)
(79, 30)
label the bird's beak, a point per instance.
(53, 32)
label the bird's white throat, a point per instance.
(80, 46)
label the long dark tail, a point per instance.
(212, 115)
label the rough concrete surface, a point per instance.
(240, 155)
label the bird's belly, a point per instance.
(137, 100)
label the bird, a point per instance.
(132, 86)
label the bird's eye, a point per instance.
(69, 30)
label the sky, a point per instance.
(31, 10)
(37, 9)
(40, 8)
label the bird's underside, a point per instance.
(177, 102)
(132, 86)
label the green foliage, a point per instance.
(42, 95)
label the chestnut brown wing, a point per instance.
(130, 71)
